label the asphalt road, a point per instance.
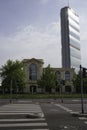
(57, 115)
(60, 118)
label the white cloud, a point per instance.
(44, 1)
(33, 42)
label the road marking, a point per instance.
(24, 101)
(85, 122)
(23, 124)
(19, 111)
(14, 113)
(30, 114)
(65, 127)
(74, 112)
(33, 129)
(39, 129)
(23, 109)
(64, 108)
(20, 120)
(83, 118)
(75, 100)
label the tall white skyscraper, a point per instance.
(70, 38)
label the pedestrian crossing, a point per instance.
(29, 124)
(12, 109)
(11, 119)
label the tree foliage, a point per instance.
(77, 82)
(12, 74)
(85, 85)
(48, 80)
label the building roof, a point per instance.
(33, 59)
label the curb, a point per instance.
(21, 115)
(77, 114)
(35, 115)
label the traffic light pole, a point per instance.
(81, 77)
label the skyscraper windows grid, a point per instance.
(70, 38)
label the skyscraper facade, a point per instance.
(70, 38)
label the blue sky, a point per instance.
(31, 28)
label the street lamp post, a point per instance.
(11, 92)
(62, 84)
(62, 94)
(81, 78)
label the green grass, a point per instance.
(40, 96)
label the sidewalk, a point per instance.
(79, 114)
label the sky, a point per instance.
(31, 29)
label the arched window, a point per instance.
(33, 72)
(67, 75)
(58, 74)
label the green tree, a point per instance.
(85, 85)
(48, 79)
(77, 82)
(12, 76)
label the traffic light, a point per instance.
(84, 73)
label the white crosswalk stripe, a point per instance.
(19, 123)
(21, 120)
(23, 124)
(20, 109)
(10, 122)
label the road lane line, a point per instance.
(74, 100)
(33, 129)
(64, 108)
(23, 124)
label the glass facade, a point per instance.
(33, 72)
(70, 38)
(74, 42)
(75, 53)
(74, 38)
(67, 75)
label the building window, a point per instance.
(58, 74)
(33, 72)
(67, 75)
(33, 89)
